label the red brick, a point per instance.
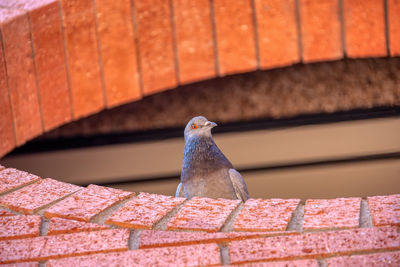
(64, 226)
(378, 259)
(6, 213)
(22, 264)
(336, 213)
(151, 238)
(295, 263)
(121, 75)
(21, 74)
(33, 197)
(385, 210)
(15, 227)
(7, 136)
(277, 32)
(194, 40)
(83, 56)
(364, 28)
(320, 30)
(87, 203)
(49, 59)
(144, 211)
(197, 255)
(235, 36)
(58, 246)
(203, 214)
(394, 26)
(314, 245)
(265, 214)
(13, 178)
(155, 41)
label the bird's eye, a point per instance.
(194, 126)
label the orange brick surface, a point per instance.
(82, 56)
(277, 32)
(33, 197)
(15, 35)
(331, 213)
(22, 264)
(50, 66)
(265, 214)
(87, 203)
(394, 27)
(50, 247)
(13, 178)
(155, 40)
(314, 245)
(385, 210)
(378, 259)
(14, 227)
(203, 214)
(364, 22)
(6, 120)
(6, 213)
(64, 226)
(144, 211)
(151, 238)
(194, 40)
(197, 255)
(294, 263)
(235, 36)
(121, 76)
(320, 30)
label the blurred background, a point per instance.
(319, 130)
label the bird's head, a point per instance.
(199, 126)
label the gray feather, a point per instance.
(179, 191)
(239, 185)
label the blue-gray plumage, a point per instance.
(206, 172)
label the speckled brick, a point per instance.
(7, 136)
(87, 203)
(144, 211)
(155, 41)
(385, 210)
(151, 238)
(33, 197)
(376, 260)
(13, 178)
(315, 245)
(336, 213)
(235, 36)
(295, 263)
(265, 214)
(320, 30)
(196, 255)
(203, 214)
(194, 40)
(21, 74)
(1, 167)
(83, 56)
(15, 227)
(22, 264)
(121, 75)
(6, 213)
(277, 32)
(50, 66)
(394, 26)
(364, 27)
(58, 246)
(63, 226)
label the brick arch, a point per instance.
(61, 60)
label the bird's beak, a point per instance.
(210, 124)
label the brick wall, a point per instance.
(60, 224)
(61, 60)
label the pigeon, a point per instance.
(206, 172)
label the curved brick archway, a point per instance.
(67, 59)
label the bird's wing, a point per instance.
(179, 191)
(239, 185)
